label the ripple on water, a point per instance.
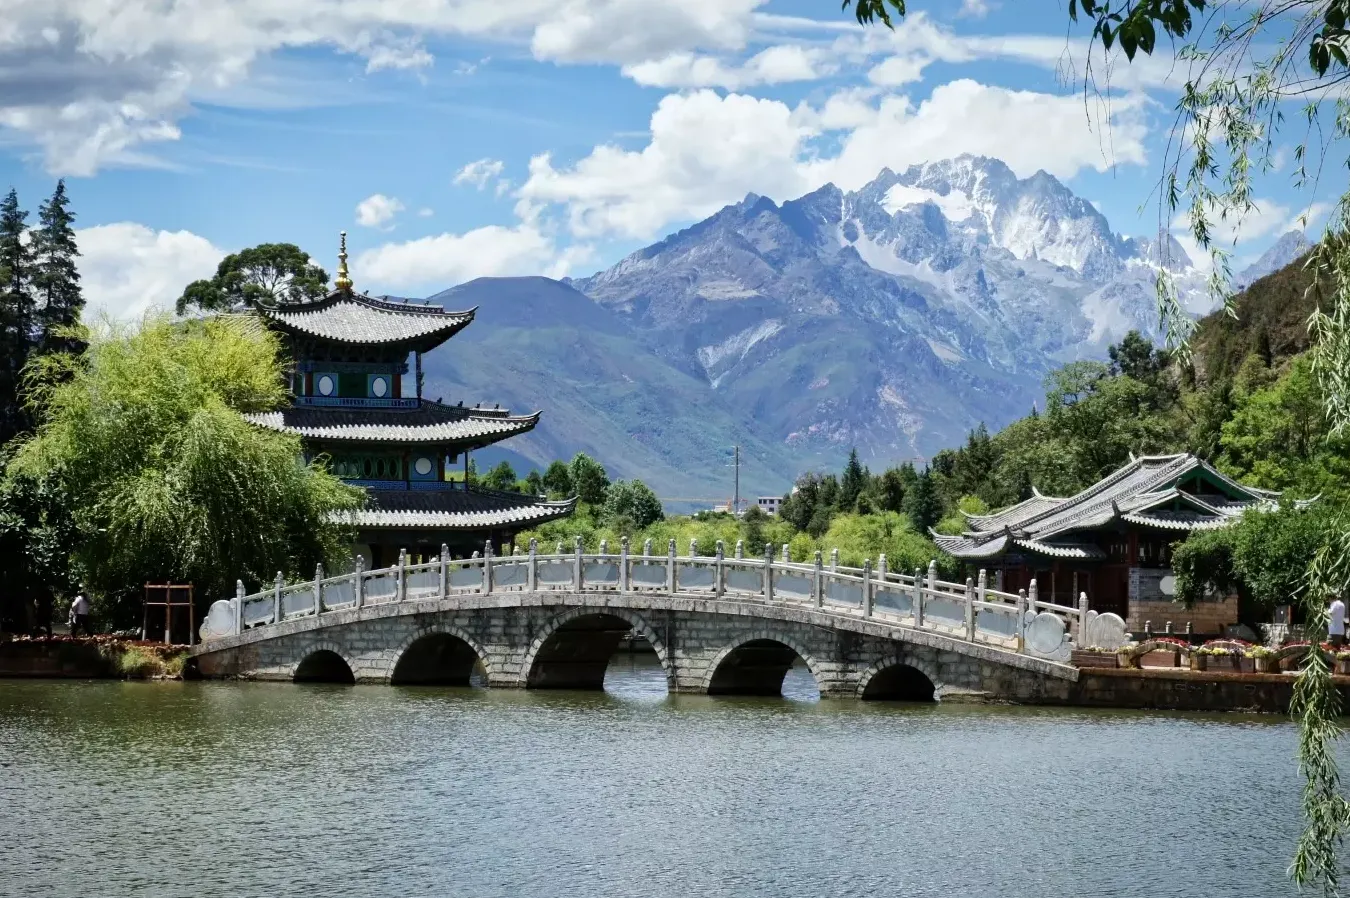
(281, 790)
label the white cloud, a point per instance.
(707, 150)
(896, 71)
(443, 260)
(377, 210)
(89, 81)
(426, 212)
(127, 269)
(1238, 233)
(480, 172)
(974, 9)
(775, 65)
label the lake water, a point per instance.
(230, 789)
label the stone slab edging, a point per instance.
(645, 602)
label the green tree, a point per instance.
(16, 314)
(534, 483)
(269, 273)
(853, 482)
(501, 477)
(56, 279)
(891, 486)
(557, 480)
(922, 504)
(633, 501)
(165, 479)
(588, 479)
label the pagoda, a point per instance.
(350, 405)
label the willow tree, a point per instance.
(1242, 68)
(144, 434)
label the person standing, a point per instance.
(1336, 623)
(79, 612)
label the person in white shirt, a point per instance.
(1336, 622)
(79, 612)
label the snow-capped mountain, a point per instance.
(1285, 250)
(897, 316)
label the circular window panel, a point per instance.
(379, 386)
(325, 385)
(422, 466)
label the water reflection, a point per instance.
(302, 790)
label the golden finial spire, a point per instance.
(344, 281)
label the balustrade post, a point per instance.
(670, 567)
(402, 575)
(740, 549)
(918, 597)
(445, 571)
(1081, 635)
(768, 572)
(359, 581)
(787, 555)
(818, 581)
(867, 588)
(1020, 631)
(559, 550)
(604, 547)
(982, 585)
(578, 572)
(318, 589)
(532, 571)
(717, 570)
(238, 607)
(647, 547)
(623, 565)
(487, 567)
(693, 548)
(881, 568)
(1032, 596)
(276, 599)
(970, 609)
(834, 561)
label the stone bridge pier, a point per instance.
(566, 642)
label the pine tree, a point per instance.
(853, 483)
(16, 313)
(922, 503)
(56, 280)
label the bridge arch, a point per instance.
(569, 654)
(324, 662)
(437, 656)
(762, 676)
(900, 679)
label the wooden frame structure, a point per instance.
(171, 596)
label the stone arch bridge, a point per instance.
(718, 625)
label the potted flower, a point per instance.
(1125, 658)
(1263, 658)
(1343, 663)
(1199, 659)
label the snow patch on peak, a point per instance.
(956, 205)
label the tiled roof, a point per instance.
(430, 422)
(1143, 492)
(456, 509)
(354, 318)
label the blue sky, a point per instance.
(452, 141)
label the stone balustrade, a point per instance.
(971, 611)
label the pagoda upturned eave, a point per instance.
(355, 319)
(429, 423)
(454, 510)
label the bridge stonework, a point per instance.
(565, 640)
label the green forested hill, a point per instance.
(1271, 322)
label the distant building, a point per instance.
(769, 504)
(349, 355)
(1113, 541)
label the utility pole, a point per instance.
(736, 502)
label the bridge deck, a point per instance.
(1016, 631)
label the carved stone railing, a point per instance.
(969, 611)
